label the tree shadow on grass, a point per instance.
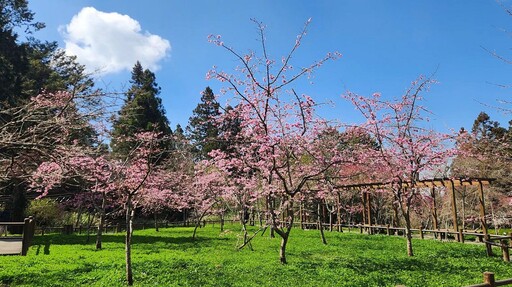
(46, 248)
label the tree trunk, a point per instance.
(399, 196)
(301, 216)
(435, 219)
(396, 217)
(247, 240)
(79, 216)
(320, 225)
(101, 223)
(90, 219)
(363, 209)
(338, 214)
(464, 194)
(156, 222)
(198, 222)
(222, 221)
(128, 242)
(282, 249)
(330, 221)
(408, 234)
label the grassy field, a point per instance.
(171, 258)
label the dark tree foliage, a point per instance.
(491, 152)
(202, 129)
(485, 128)
(14, 60)
(28, 67)
(230, 130)
(16, 14)
(141, 112)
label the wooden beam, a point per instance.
(431, 182)
(482, 219)
(454, 211)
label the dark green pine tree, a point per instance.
(202, 129)
(142, 111)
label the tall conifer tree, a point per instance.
(202, 130)
(142, 111)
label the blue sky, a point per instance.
(385, 46)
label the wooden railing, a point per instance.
(503, 242)
(26, 237)
(489, 281)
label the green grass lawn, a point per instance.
(171, 258)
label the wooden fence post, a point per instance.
(421, 233)
(461, 235)
(454, 211)
(489, 279)
(504, 250)
(488, 246)
(482, 219)
(32, 228)
(387, 230)
(25, 237)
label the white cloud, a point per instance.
(111, 42)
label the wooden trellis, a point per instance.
(449, 183)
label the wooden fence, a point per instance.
(501, 241)
(489, 281)
(26, 237)
(112, 228)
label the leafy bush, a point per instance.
(46, 212)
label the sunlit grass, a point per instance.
(171, 258)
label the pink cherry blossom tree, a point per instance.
(209, 187)
(407, 148)
(134, 178)
(31, 133)
(278, 130)
(82, 167)
(132, 182)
